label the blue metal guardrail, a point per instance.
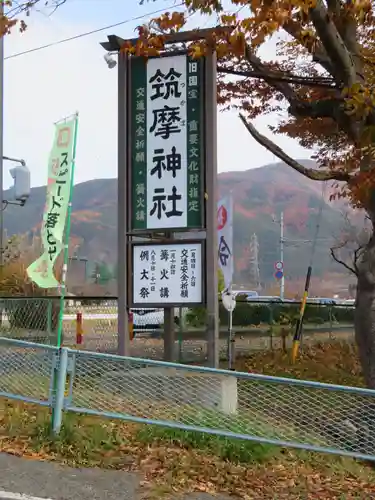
(280, 411)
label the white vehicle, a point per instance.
(148, 319)
(249, 293)
(321, 300)
(345, 302)
(152, 319)
(350, 302)
(264, 298)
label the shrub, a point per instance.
(196, 317)
(254, 314)
(22, 310)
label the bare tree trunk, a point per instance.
(364, 317)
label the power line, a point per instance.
(87, 33)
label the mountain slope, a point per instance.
(259, 194)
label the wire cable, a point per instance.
(318, 223)
(87, 33)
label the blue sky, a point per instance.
(46, 85)
(108, 11)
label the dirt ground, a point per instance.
(194, 350)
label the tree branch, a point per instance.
(356, 256)
(27, 5)
(282, 87)
(279, 76)
(317, 51)
(341, 262)
(316, 175)
(341, 58)
(327, 108)
(334, 7)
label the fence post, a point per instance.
(49, 317)
(330, 321)
(270, 322)
(58, 400)
(180, 333)
(79, 329)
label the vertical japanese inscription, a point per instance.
(167, 138)
(195, 131)
(167, 143)
(60, 171)
(167, 273)
(138, 143)
(58, 191)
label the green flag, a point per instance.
(57, 201)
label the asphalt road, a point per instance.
(24, 479)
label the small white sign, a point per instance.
(279, 265)
(167, 274)
(229, 300)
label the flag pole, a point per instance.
(66, 238)
(231, 338)
(64, 268)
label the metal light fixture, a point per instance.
(110, 60)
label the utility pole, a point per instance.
(211, 213)
(254, 272)
(282, 281)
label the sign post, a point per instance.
(229, 302)
(123, 239)
(167, 171)
(211, 208)
(279, 272)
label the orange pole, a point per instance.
(79, 328)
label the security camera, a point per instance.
(111, 62)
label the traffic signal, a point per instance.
(21, 186)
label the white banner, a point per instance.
(60, 171)
(225, 239)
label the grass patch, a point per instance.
(236, 451)
(83, 441)
(171, 462)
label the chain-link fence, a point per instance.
(256, 326)
(26, 371)
(280, 411)
(283, 411)
(29, 319)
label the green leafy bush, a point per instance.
(196, 317)
(254, 314)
